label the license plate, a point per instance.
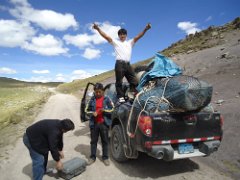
(185, 148)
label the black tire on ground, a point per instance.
(116, 143)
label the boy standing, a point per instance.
(123, 51)
(99, 108)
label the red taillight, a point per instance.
(148, 145)
(145, 125)
(221, 120)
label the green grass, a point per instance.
(16, 104)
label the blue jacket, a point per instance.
(108, 107)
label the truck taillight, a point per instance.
(145, 125)
(221, 120)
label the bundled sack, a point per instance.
(176, 94)
(186, 93)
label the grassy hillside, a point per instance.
(210, 37)
(207, 38)
(12, 83)
(19, 100)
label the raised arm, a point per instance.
(148, 26)
(103, 34)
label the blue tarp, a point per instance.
(163, 67)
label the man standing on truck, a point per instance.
(99, 109)
(44, 136)
(123, 51)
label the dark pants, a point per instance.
(124, 69)
(102, 130)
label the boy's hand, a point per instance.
(95, 26)
(148, 26)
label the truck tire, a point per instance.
(116, 143)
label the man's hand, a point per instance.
(148, 26)
(95, 114)
(100, 111)
(59, 165)
(61, 154)
(95, 26)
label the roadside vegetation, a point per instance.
(16, 103)
(19, 104)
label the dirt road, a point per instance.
(77, 143)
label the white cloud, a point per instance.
(60, 77)
(46, 45)
(80, 74)
(91, 53)
(13, 33)
(20, 2)
(80, 40)
(46, 19)
(188, 27)
(5, 70)
(39, 79)
(86, 40)
(41, 71)
(106, 27)
(209, 18)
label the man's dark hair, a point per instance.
(122, 31)
(67, 125)
(98, 86)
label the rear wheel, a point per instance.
(116, 142)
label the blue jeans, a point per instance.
(38, 168)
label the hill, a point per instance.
(13, 83)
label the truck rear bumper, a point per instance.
(167, 153)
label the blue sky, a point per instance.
(51, 40)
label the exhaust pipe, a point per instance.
(164, 152)
(160, 154)
(209, 147)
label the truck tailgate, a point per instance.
(186, 126)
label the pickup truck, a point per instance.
(162, 134)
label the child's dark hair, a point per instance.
(98, 86)
(67, 124)
(122, 31)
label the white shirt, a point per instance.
(123, 50)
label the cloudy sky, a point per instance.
(51, 40)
